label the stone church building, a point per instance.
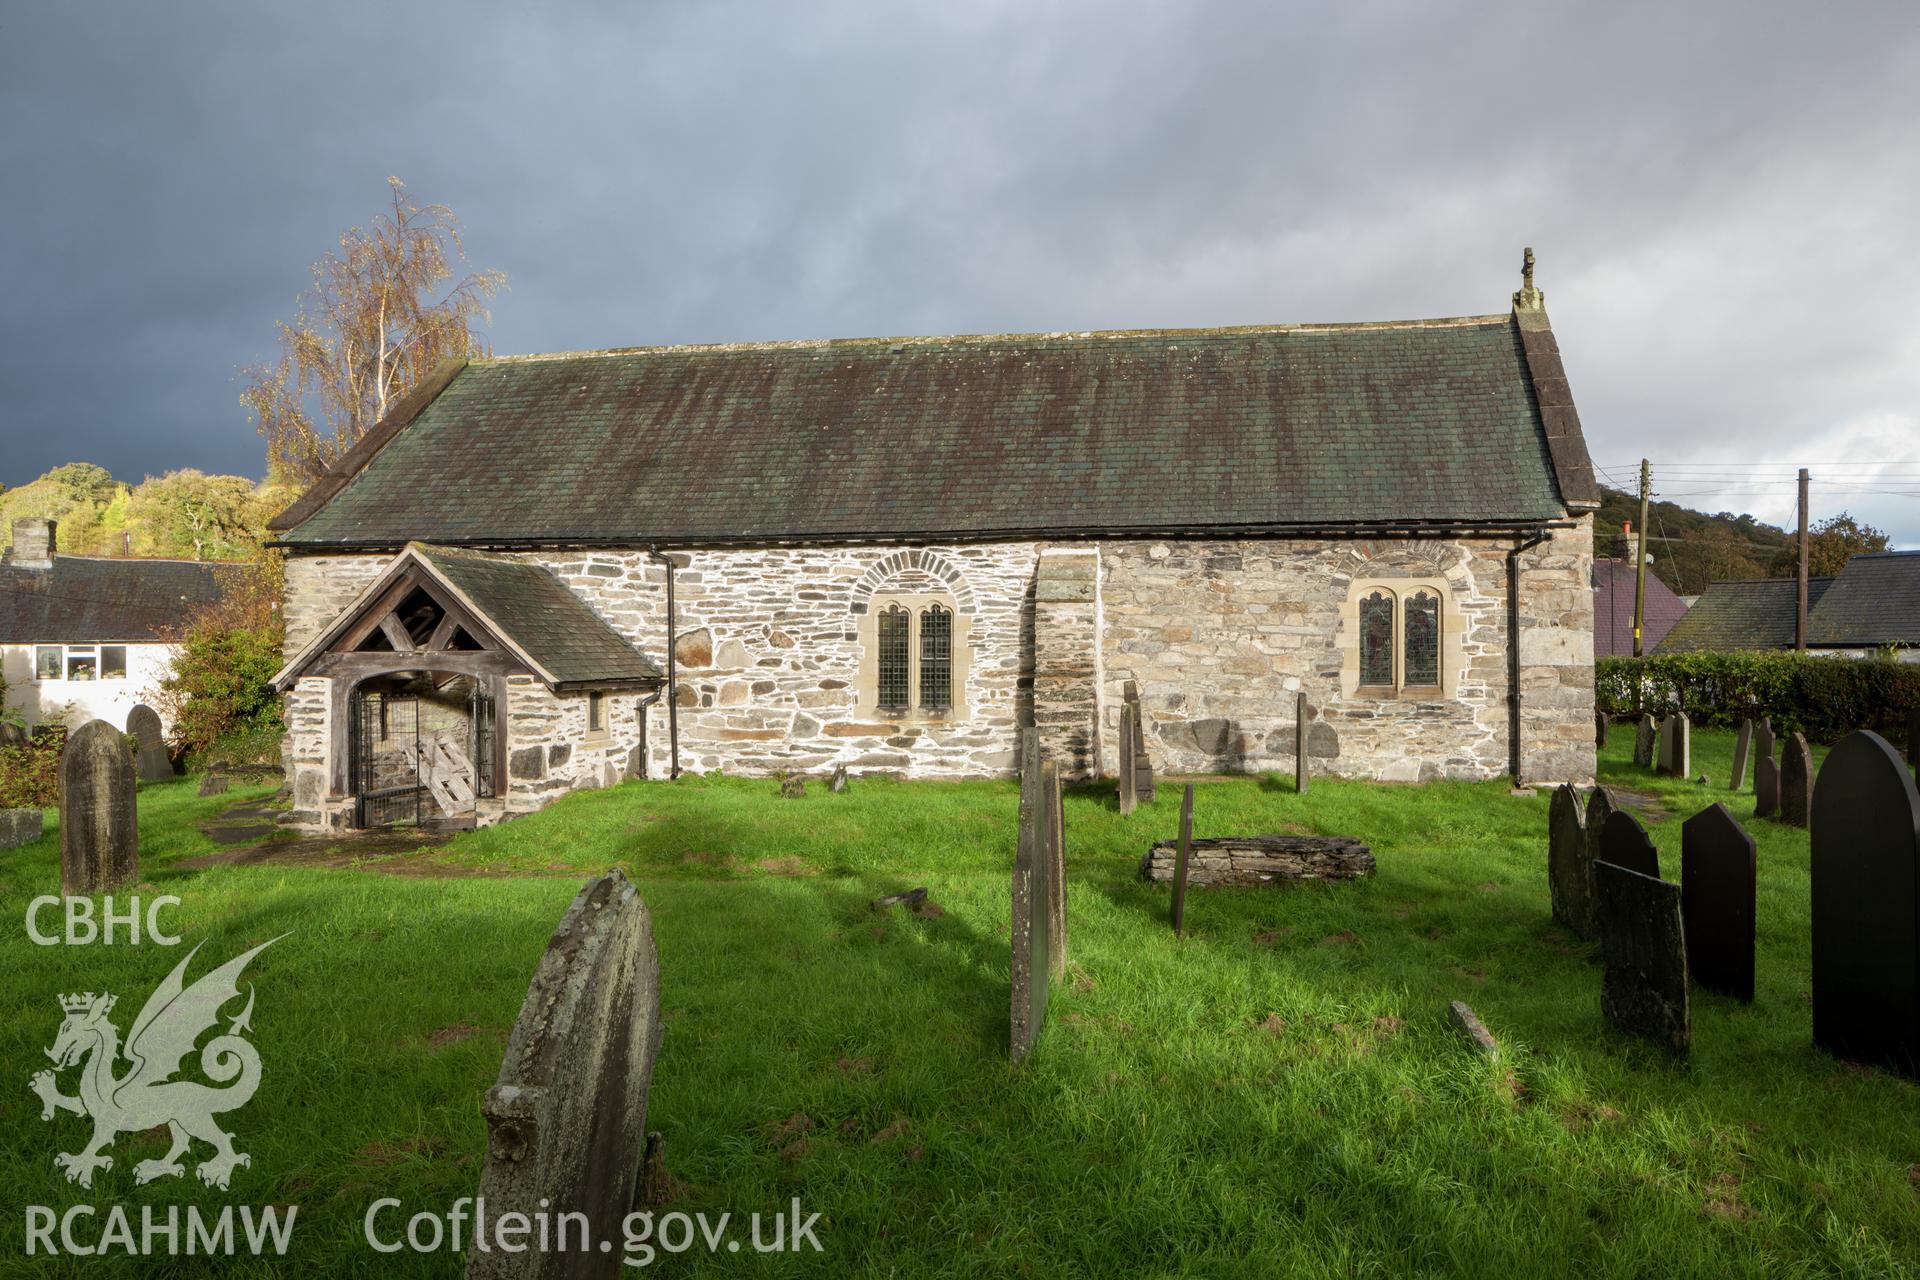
(548, 572)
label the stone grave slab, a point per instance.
(1568, 876)
(567, 1116)
(1600, 730)
(1717, 877)
(1676, 746)
(1766, 787)
(1643, 989)
(1244, 861)
(152, 763)
(99, 831)
(1624, 843)
(1866, 905)
(1796, 781)
(1032, 964)
(1645, 738)
(1056, 842)
(1742, 746)
(1143, 789)
(1600, 806)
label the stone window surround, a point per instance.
(597, 700)
(1453, 629)
(867, 686)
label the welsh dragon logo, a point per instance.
(146, 1096)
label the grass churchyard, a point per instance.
(1279, 1091)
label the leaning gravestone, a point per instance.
(1766, 787)
(1600, 807)
(1568, 875)
(1717, 876)
(1742, 744)
(1624, 843)
(1643, 990)
(1866, 905)
(1645, 739)
(1796, 781)
(567, 1117)
(1032, 965)
(1056, 840)
(1129, 774)
(99, 831)
(1763, 739)
(143, 726)
(1142, 763)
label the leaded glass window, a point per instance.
(895, 653)
(1376, 641)
(936, 659)
(1422, 655)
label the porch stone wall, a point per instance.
(549, 752)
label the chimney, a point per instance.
(1626, 528)
(33, 543)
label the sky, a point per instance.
(1724, 198)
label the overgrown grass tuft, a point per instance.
(1278, 1093)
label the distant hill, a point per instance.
(1691, 548)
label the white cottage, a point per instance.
(555, 571)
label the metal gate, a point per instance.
(386, 755)
(483, 717)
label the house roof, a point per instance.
(1754, 614)
(1462, 422)
(527, 609)
(1613, 592)
(83, 600)
(1875, 601)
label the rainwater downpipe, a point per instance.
(1513, 649)
(673, 688)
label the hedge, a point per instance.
(30, 775)
(1824, 698)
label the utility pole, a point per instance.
(1800, 611)
(1640, 562)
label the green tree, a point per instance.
(1830, 544)
(380, 315)
(189, 515)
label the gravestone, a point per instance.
(1913, 739)
(1300, 742)
(1129, 778)
(1796, 781)
(1866, 905)
(1600, 730)
(143, 726)
(1624, 843)
(214, 784)
(1742, 744)
(567, 1116)
(1717, 876)
(1032, 895)
(1056, 836)
(1568, 875)
(1763, 739)
(837, 783)
(99, 832)
(1643, 946)
(1600, 807)
(1142, 763)
(1766, 787)
(1182, 863)
(21, 826)
(1644, 740)
(1676, 746)
(793, 787)
(12, 735)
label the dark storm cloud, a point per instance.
(1721, 195)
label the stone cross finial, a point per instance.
(1529, 298)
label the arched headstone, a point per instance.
(1866, 917)
(1600, 807)
(1645, 739)
(567, 1116)
(1763, 739)
(1796, 781)
(153, 762)
(1569, 878)
(1717, 877)
(1624, 843)
(99, 831)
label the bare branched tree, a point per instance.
(374, 323)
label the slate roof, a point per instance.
(1875, 601)
(1427, 422)
(527, 609)
(83, 600)
(1613, 590)
(1753, 614)
(528, 606)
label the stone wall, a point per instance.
(1222, 635)
(549, 752)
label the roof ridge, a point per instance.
(981, 339)
(61, 555)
